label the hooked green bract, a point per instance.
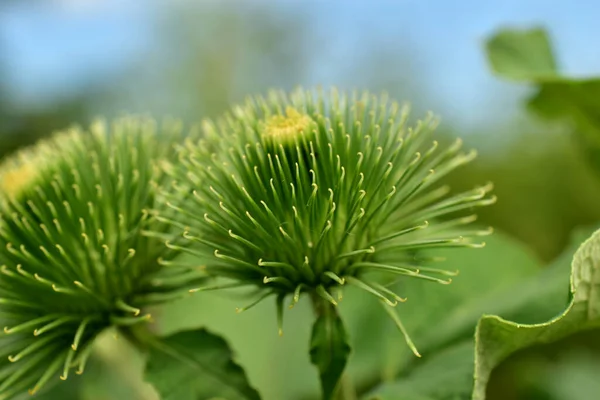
(308, 192)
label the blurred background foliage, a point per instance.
(64, 62)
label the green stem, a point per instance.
(140, 336)
(322, 307)
(347, 391)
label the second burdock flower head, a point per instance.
(305, 193)
(75, 257)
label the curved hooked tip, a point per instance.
(391, 303)
(477, 245)
(485, 232)
(488, 187)
(468, 219)
(392, 192)
(417, 158)
(491, 200)
(472, 154)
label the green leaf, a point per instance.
(524, 55)
(578, 104)
(573, 375)
(527, 56)
(329, 349)
(447, 375)
(436, 315)
(195, 365)
(497, 338)
(67, 391)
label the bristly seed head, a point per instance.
(306, 193)
(81, 244)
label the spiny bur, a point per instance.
(307, 193)
(76, 252)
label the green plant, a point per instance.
(304, 193)
(285, 196)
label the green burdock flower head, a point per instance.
(74, 258)
(305, 193)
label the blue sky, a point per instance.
(56, 48)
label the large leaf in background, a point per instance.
(447, 375)
(570, 376)
(329, 349)
(526, 299)
(497, 338)
(526, 55)
(577, 103)
(437, 315)
(196, 365)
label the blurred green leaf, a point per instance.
(497, 338)
(329, 349)
(438, 315)
(447, 375)
(527, 56)
(571, 376)
(524, 55)
(578, 104)
(70, 390)
(196, 365)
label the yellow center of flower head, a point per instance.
(16, 179)
(20, 172)
(17, 174)
(284, 129)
